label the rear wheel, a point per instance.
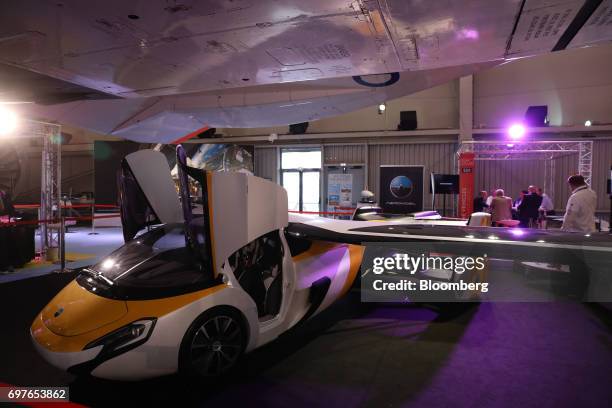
(214, 343)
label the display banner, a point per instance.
(401, 189)
(466, 184)
(339, 191)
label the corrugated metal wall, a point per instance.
(602, 160)
(511, 175)
(436, 157)
(565, 166)
(349, 154)
(265, 163)
(516, 175)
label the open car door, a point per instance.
(237, 208)
(146, 192)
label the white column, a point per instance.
(466, 107)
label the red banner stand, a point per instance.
(466, 184)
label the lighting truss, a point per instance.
(50, 185)
(544, 150)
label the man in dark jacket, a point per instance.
(528, 209)
(480, 202)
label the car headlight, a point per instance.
(126, 337)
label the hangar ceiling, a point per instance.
(180, 62)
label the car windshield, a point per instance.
(157, 263)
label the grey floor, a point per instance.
(556, 354)
(365, 355)
(78, 241)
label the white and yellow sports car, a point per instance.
(195, 293)
(199, 290)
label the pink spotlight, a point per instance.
(516, 131)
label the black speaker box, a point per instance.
(298, 128)
(408, 120)
(537, 116)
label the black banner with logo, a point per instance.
(401, 189)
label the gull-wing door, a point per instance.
(147, 194)
(196, 225)
(237, 208)
(242, 208)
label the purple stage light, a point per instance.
(516, 131)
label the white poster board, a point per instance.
(339, 190)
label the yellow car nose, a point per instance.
(75, 311)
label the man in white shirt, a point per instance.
(580, 210)
(547, 204)
(489, 199)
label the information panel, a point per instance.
(401, 189)
(339, 191)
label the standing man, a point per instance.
(501, 207)
(489, 198)
(528, 209)
(480, 202)
(580, 209)
(547, 204)
(546, 208)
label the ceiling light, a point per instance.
(516, 131)
(8, 121)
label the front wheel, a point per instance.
(213, 343)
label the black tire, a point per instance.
(214, 343)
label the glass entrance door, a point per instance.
(291, 182)
(311, 195)
(303, 189)
(301, 177)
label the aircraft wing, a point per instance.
(509, 243)
(159, 71)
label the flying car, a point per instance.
(221, 274)
(197, 291)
